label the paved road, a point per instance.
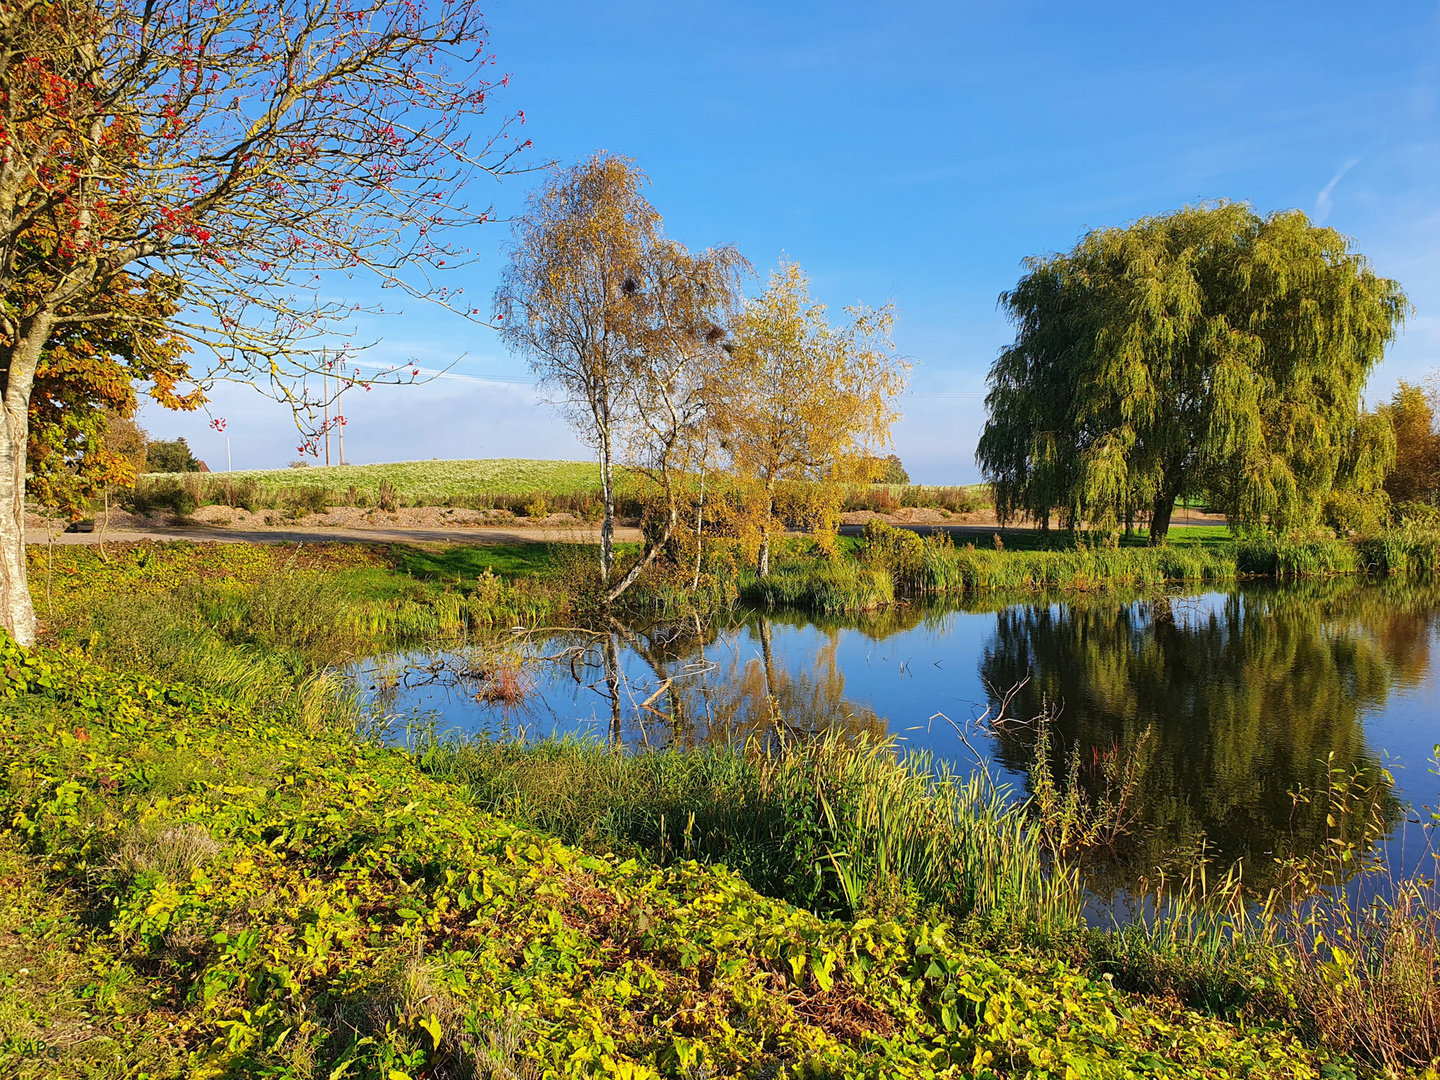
(292, 535)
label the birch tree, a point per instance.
(804, 400)
(674, 373)
(622, 324)
(567, 301)
(243, 149)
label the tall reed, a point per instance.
(837, 825)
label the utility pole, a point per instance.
(325, 396)
(340, 415)
(228, 466)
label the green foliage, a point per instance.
(1297, 555)
(177, 493)
(1356, 513)
(303, 905)
(838, 825)
(1209, 350)
(951, 569)
(822, 586)
(899, 552)
(171, 456)
(1415, 476)
(166, 607)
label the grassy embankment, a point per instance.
(333, 898)
(887, 564)
(197, 886)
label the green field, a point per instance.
(435, 480)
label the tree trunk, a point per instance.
(764, 568)
(607, 486)
(612, 686)
(1160, 517)
(768, 658)
(699, 532)
(647, 558)
(17, 613)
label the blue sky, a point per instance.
(917, 152)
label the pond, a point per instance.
(1229, 708)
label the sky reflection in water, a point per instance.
(1249, 696)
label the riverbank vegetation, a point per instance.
(201, 889)
(203, 881)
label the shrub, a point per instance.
(386, 499)
(1351, 514)
(1421, 514)
(307, 500)
(162, 493)
(899, 552)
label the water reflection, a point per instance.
(1250, 696)
(1249, 700)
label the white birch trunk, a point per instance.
(17, 612)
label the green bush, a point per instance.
(900, 553)
(162, 493)
(311, 499)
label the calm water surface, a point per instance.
(1228, 703)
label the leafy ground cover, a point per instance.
(194, 887)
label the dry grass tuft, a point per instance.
(169, 849)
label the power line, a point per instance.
(506, 380)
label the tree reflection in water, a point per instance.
(1250, 697)
(1250, 701)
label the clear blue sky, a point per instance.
(918, 152)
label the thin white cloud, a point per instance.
(1323, 202)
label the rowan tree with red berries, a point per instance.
(248, 152)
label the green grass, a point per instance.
(842, 827)
(823, 587)
(1208, 535)
(450, 563)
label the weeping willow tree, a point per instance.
(1210, 351)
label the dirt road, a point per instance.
(297, 533)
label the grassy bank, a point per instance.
(887, 563)
(253, 618)
(195, 888)
(207, 872)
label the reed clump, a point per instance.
(821, 586)
(840, 826)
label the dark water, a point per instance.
(1231, 708)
